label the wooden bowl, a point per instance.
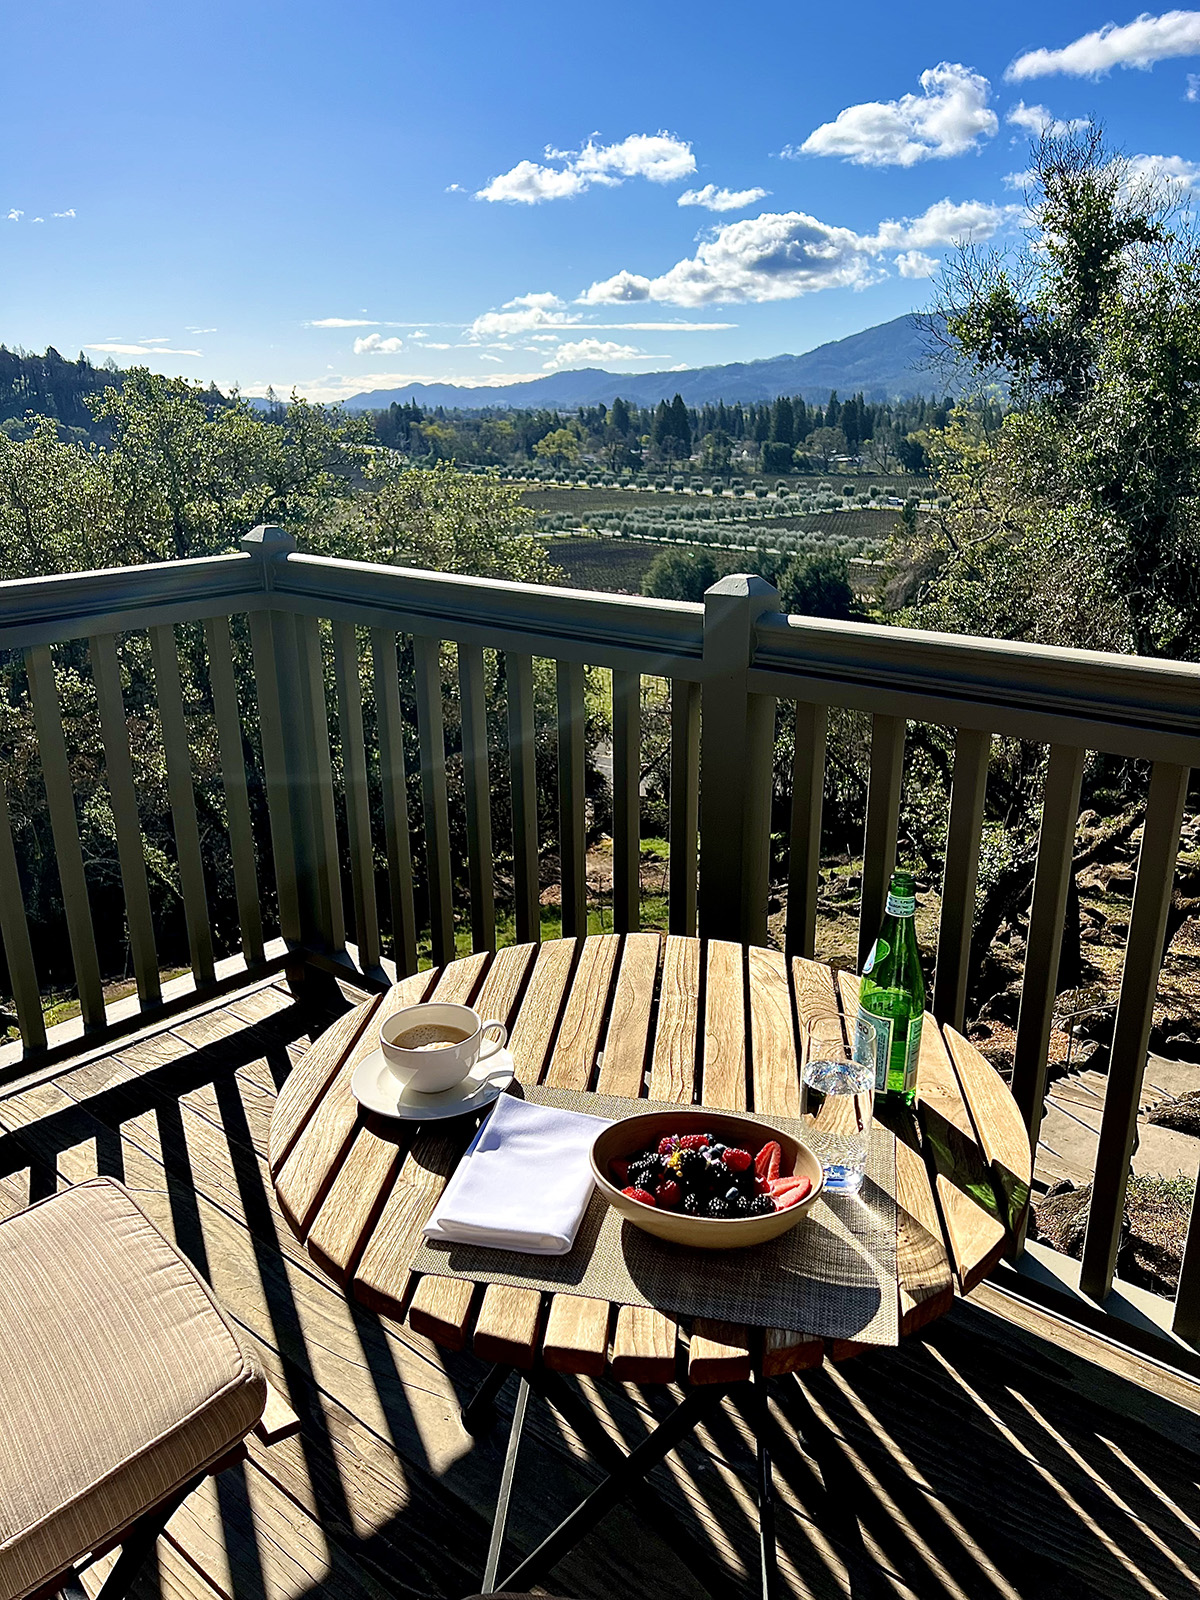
(633, 1134)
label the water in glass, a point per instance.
(840, 1099)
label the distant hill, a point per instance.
(886, 362)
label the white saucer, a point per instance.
(373, 1086)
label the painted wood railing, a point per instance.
(342, 889)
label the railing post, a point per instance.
(736, 739)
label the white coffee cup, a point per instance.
(428, 1069)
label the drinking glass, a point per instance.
(840, 1098)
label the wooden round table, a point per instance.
(679, 1020)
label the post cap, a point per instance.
(267, 540)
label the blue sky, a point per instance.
(345, 198)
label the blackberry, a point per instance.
(759, 1205)
(717, 1207)
(689, 1164)
(742, 1207)
(691, 1204)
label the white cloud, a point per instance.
(113, 348)
(522, 315)
(660, 157)
(199, 330)
(948, 117)
(1163, 169)
(915, 264)
(70, 212)
(714, 199)
(782, 255)
(1137, 44)
(1037, 120)
(1193, 86)
(14, 215)
(340, 322)
(376, 341)
(492, 358)
(589, 351)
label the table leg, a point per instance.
(504, 1498)
(479, 1414)
(768, 1555)
(616, 1485)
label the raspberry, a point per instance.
(767, 1161)
(737, 1160)
(693, 1141)
(620, 1171)
(668, 1193)
(643, 1195)
(667, 1144)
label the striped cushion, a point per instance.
(120, 1378)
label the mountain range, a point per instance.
(886, 362)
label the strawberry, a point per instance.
(620, 1171)
(667, 1144)
(668, 1193)
(693, 1141)
(766, 1162)
(785, 1185)
(643, 1195)
(737, 1160)
(793, 1197)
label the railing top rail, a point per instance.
(656, 635)
(1082, 685)
(69, 605)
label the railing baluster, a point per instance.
(1131, 1031)
(228, 718)
(1052, 877)
(519, 675)
(572, 816)
(685, 805)
(972, 752)
(883, 817)
(269, 642)
(318, 780)
(427, 655)
(60, 800)
(804, 850)
(182, 794)
(14, 930)
(473, 701)
(394, 784)
(106, 676)
(358, 805)
(627, 772)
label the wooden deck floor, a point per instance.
(992, 1460)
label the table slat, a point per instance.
(441, 1310)
(624, 1058)
(672, 1072)
(576, 1336)
(574, 1053)
(308, 1171)
(506, 1329)
(342, 1226)
(308, 1081)
(1002, 1135)
(643, 1346)
(533, 1031)
(724, 1064)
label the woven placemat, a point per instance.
(833, 1276)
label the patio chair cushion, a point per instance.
(120, 1378)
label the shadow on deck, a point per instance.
(995, 1458)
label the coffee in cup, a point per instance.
(434, 1045)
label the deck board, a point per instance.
(990, 1458)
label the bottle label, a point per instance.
(873, 1044)
(913, 1051)
(901, 905)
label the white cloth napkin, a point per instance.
(524, 1182)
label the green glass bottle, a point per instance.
(891, 998)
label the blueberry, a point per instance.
(732, 1194)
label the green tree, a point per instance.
(1080, 521)
(817, 585)
(680, 575)
(560, 446)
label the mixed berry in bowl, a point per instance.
(699, 1176)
